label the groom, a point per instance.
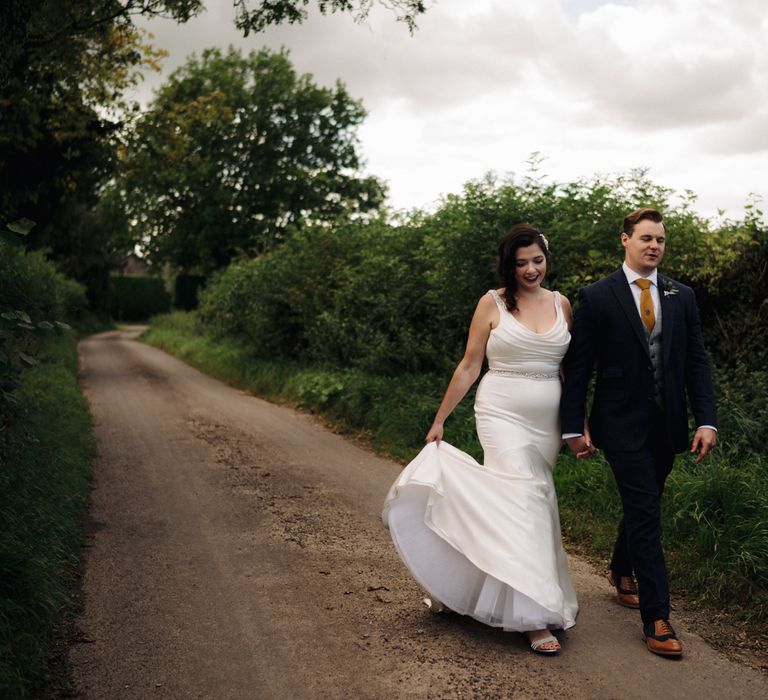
(641, 333)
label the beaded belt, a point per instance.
(526, 375)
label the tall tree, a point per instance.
(64, 27)
(68, 64)
(64, 69)
(234, 152)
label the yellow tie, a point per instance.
(646, 304)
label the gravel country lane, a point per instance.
(236, 551)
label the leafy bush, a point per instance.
(29, 282)
(378, 317)
(35, 300)
(136, 298)
(742, 407)
(735, 307)
(392, 298)
(271, 302)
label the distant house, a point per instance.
(132, 264)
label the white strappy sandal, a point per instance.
(537, 646)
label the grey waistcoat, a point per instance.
(654, 345)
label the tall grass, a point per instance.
(715, 515)
(719, 509)
(45, 455)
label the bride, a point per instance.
(484, 539)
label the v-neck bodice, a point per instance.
(512, 346)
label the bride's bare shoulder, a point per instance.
(564, 301)
(486, 302)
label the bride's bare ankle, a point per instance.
(535, 635)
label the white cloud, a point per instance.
(748, 135)
(669, 65)
(679, 86)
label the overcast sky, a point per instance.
(676, 86)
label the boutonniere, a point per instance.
(669, 289)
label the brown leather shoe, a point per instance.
(626, 591)
(661, 639)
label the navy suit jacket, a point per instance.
(608, 336)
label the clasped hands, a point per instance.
(581, 445)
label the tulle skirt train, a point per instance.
(484, 542)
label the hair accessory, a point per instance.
(546, 242)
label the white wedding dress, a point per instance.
(484, 539)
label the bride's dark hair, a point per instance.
(519, 236)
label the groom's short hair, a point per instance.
(638, 215)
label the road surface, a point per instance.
(236, 551)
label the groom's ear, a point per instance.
(624, 239)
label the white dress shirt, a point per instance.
(636, 291)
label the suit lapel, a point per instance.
(627, 302)
(667, 318)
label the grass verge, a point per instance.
(715, 514)
(45, 465)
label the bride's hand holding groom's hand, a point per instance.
(581, 445)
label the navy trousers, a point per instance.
(640, 477)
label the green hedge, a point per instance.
(394, 298)
(30, 282)
(137, 297)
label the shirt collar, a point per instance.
(632, 275)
